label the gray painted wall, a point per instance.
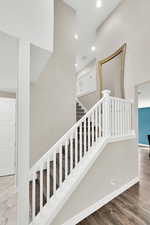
(53, 95)
(118, 164)
(89, 100)
(129, 23)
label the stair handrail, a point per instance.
(109, 117)
(50, 151)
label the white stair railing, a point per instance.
(110, 117)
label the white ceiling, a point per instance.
(144, 95)
(89, 18)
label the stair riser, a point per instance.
(79, 112)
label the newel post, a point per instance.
(106, 113)
(23, 133)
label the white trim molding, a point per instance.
(100, 203)
(143, 145)
(23, 133)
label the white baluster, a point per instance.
(119, 121)
(80, 141)
(71, 153)
(117, 118)
(125, 119)
(76, 146)
(121, 104)
(89, 132)
(122, 118)
(48, 179)
(93, 125)
(106, 113)
(41, 187)
(100, 122)
(85, 137)
(66, 159)
(96, 124)
(54, 172)
(33, 196)
(60, 165)
(113, 117)
(128, 118)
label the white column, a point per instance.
(106, 113)
(23, 133)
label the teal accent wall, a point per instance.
(144, 124)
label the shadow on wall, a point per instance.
(90, 100)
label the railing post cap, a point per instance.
(106, 93)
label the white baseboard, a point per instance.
(7, 172)
(88, 211)
(143, 145)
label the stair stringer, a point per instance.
(55, 204)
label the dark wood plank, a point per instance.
(130, 208)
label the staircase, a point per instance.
(58, 173)
(72, 160)
(80, 110)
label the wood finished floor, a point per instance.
(131, 207)
(8, 201)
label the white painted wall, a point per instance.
(29, 19)
(53, 95)
(8, 63)
(86, 81)
(144, 95)
(130, 24)
(109, 173)
(39, 59)
(89, 98)
(88, 19)
(112, 76)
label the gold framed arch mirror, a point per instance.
(111, 72)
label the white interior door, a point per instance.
(7, 136)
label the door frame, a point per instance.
(11, 99)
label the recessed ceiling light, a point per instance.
(76, 36)
(76, 64)
(93, 48)
(98, 4)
